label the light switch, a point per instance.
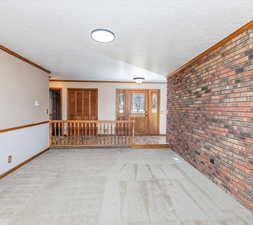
(36, 103)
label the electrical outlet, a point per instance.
(9, 159)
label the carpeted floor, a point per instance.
(115, 187)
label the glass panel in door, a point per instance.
(138, 103)
(138, 110)
(154, 102)
(121, 108)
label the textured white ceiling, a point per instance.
(153, 37)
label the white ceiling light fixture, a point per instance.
(102, 35)
(139, 80)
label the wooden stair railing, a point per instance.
(91, 132)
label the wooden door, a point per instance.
(138, 110)
(141, 105)
(82, 104)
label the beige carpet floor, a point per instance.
(115, 187)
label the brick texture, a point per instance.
(210, 116)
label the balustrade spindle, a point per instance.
(85, 132)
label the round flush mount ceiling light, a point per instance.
(102, 35)
(139, 80)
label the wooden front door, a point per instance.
(141, 105)
(138, 110)
(82, 104)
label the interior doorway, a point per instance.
(141, 105)
(55, 104)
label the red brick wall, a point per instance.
(210, 116)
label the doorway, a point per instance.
(141, 105)
(55, 104)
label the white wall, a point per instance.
(20, 86)
(107, 97)
(22, 145)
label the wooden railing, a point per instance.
(91, 132)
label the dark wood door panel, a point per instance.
(82, 104)
(94, 105)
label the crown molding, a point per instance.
(10, 52)
(105, 81)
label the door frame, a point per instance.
(61, 99)
(149, 90)
(89, 89)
